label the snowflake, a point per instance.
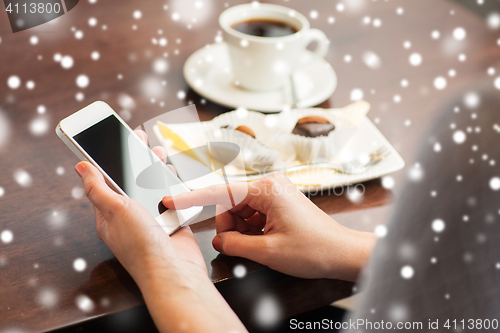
(239, 271)
(77, 193)
(160, 66)
(356, 94)
(438, 225)
(23, 178)
(267, 312)
(495, 183)
(47, 297)
(388, 182)
(459, 33)
(407, 272)
(496, 83)
(66, 61)
(437, 147)
(371, 59)
(105, 302)
(440, 83)
(6, 236)
(416, 173)
(380, 231)
(493, 20)
(13, 82)
(354, 194)
(39, 126)
(82, 81)
(84, 303)
(56, 219)
(79, 264)
(468, 257)
(398, 312)
(459, 137)
(60, 171)
(181, 94)
(415, 59)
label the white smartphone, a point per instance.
(98, 135)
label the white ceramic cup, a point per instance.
(266, 63)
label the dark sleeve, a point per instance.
(440, 258)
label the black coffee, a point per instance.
(264, 28)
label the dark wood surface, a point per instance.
(53, 224)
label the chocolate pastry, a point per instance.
(313, 126)
(243, 129)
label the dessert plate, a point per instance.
(366, 139)
(208, 72)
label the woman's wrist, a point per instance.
(169, 272)
(351, 251)
(187, 301)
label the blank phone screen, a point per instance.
(132, 165)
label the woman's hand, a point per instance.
(132, 233)
(277, 226)
(170, 271)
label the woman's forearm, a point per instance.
(190, 304)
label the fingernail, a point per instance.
(216, 243)
(80, 168)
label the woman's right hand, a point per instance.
(278, 226)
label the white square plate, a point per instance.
(366, 139)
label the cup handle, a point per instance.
(318, 36)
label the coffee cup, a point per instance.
(265, 42)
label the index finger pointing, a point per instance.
(212, 195)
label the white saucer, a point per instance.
(208, 72)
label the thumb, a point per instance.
(107, 201)
(233, 243)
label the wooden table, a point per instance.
(53, 224)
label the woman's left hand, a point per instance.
(132, 233)
(170, 271)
